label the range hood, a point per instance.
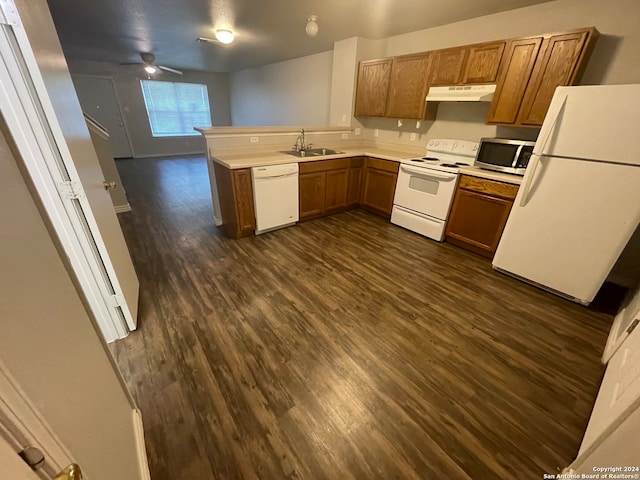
(462, 93)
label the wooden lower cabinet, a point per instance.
(479, 213)
(311, 188)
(379, 186)
(235, 193)
(326, 186)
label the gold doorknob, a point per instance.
(72, 472)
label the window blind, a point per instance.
(175, 108)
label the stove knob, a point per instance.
(454, 146)
(431, 143)
(437, 143)
(475, 147)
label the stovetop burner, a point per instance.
(430, 159)
(451, 165)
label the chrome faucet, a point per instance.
(300, 146)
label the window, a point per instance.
(175, 108)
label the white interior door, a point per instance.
(98, 100)
(619, 393)
(46, 122)
(624, 323)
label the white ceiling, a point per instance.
(267, 31)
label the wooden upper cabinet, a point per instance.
(561, 61)
(408, 86)
(483, 63)
(448, 66)
(373, 86)
(517, 66)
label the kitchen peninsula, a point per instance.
(363, 173)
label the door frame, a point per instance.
(22, 425)
(32, 124)
(118, 102)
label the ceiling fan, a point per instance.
(149, 62)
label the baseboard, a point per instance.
(176, 154)
(123, 208)
(141, 450)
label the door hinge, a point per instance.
(115, 300)
(633, 325)
(70, 190)
(33, 457)
(9, 13)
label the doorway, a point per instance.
(98, 99)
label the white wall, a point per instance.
(295, 92)
(126, 81)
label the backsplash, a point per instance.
(464, 121)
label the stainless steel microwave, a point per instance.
(504, 155)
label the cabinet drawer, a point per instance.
(488, 187)
(386, 165)
(323, 165)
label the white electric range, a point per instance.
(426, 186)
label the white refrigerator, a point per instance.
(579, 203)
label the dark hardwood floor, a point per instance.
(341, 348)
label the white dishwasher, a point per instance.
(275, 196)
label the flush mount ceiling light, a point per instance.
(150, 69)
(225, 36)
(312, 25)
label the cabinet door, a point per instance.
(336, 190)
(312, 194)
(477, 221)
(448, 66)
(513, 78)
(483, 63)
(355, 181)
(243, 193)
(408, 86)
(373, 87)
(379, 187)
(557, 64)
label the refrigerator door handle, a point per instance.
(549, 126)
(528, 178)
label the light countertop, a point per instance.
(261, 159)
(491, 175)
(235, 160)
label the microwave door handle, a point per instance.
(516, 157)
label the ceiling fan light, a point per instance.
(225, 36)
(150, 69)
(312, 26)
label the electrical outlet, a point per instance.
(345, 136)
(254, 139)
(413, 137)
(376, 132)
(399, 123)
(344, 118)
(358, 131)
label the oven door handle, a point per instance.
(427, 174)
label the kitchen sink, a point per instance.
(312, 152)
